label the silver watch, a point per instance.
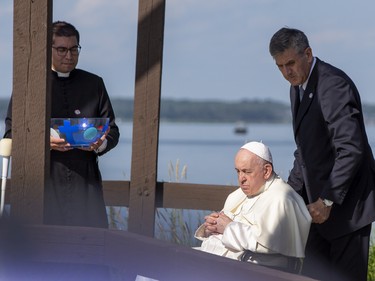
(327, 203)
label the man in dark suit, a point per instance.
(334, 166)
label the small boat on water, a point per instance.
(240, 128)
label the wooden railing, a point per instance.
(172, 195)
(168, 195)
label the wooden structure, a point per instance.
(30, 164)
(30, 157)
(31, 108)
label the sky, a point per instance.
(213, 49)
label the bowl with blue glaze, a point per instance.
(79, 132)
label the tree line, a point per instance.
(248, 111)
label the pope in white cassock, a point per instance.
(264, 221)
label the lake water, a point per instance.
(205, 150)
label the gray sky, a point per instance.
(213, 49)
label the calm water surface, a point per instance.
(205, 150)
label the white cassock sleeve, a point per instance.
(239, 236)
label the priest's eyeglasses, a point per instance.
(62, 51)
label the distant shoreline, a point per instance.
(213, 111)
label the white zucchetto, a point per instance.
(259, 149)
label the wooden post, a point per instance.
(146, 116)
(31, 108)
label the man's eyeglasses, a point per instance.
(62, 51)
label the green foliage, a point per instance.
(220, 111)
(371, 263)
(249, 111)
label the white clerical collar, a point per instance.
(61, 74)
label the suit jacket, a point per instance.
(333, 159)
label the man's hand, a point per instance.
(319, 211)
(222, 222)
(210, 224)
(59, 144)
(215, 223)
(95, 145)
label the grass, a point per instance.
(371, 263)
(178, 225)
(118, 217)
(174, 225)
(174, 171)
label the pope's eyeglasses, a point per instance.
(62, 51)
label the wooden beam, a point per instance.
(172, 195)
(195, 196)
(146, 116)
(116, 193)
(168, 195)
(31, 67)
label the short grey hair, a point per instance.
(261, 162)
(286, 38)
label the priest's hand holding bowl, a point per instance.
(57, 143)
(81, 133)
(96, 145)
